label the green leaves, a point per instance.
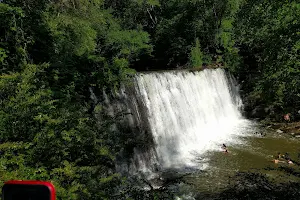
(73, 36)
(55, 55)
(196, 57)
(12, 38)
(148, 2)
(129, 44)
(267, 31)
(24, 95)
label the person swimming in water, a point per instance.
(287, 156)
(276, 161)
(279, 156)
(224, 148)
(279, 159)
(290, 161)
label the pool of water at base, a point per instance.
(254, 155)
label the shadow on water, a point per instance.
(250, 185)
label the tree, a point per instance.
(49, 126)
(268, 34)
(196, 57)
(13, 42)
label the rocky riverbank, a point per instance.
(292, 128)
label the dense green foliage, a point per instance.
(54, 53)
(268, 34)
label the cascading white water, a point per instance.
(189, 113)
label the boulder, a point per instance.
(279, 131)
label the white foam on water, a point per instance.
(190, 113)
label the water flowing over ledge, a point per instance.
(185, 113)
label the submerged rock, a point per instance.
(279, 131)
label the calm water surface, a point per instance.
(254, 155)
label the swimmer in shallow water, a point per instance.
(277, 158)
(276, 161)
(290, 162)
(287, 156)
(224, 148)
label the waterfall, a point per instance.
(186, 113)
(189, 113)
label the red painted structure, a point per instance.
(49, 185)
